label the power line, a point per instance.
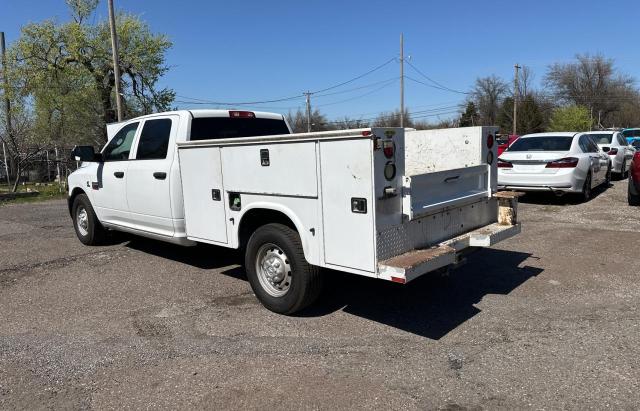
(437, 85)
(297, 97)
(361, 95)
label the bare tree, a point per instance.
(487, 95)
(592, 82)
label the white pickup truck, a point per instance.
(386, 203)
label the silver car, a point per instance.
(559, 162)
(615, 145)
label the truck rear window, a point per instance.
(211, 128)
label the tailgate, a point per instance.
(424, 194)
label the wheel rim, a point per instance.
(273, 269)
(82, 221)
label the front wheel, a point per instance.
(88, 228)
(279, 275)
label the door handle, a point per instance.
(450, 179)
(119, 174)
(160, 175)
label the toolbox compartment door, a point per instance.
(425, 194)
(346, 168)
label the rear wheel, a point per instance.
(607, 180)
(88, 228)
(279, 275)
(633, 194)
(586, 189)
(623, 170)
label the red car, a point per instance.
(634, 180)
(504, 144)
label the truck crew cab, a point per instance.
(373, 202)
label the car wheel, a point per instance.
(278, 272)
(607, 180)
(623, 170)
(632, 194)
(586, 189)
(88, 228)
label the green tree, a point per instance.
(530, 116)
(570, 118)
(470, 116)
(67, 72)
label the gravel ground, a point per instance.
(546, 320)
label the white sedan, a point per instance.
(556, 162)
(615, 145)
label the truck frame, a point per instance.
(386, 203)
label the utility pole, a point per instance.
(116, 64)
(401, 79)
(7, 104)
(516, 97)
(308, 95)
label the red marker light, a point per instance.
(366, 133)
(387, 148)
(490, 140)
(242, 114)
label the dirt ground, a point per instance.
(549, 319)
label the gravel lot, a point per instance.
(547, 320)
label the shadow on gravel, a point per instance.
(548, 198)
(430, 306)
(202, 256)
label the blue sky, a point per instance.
(237, 51)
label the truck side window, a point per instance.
(154, 139)
(120, 145)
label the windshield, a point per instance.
(209, 128)
(546, 143)
(602, 138)
(631, 133)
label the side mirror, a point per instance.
(85, 153)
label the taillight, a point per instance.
(612, 151)
(366, 133)
(389, 171)
(569, 162)
(387, 148)
(242, 114)
(490, 141)
(504, 164)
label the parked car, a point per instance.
(558, 162)
(503, 144)
(615, 145)
(631, 134)
(634, 180)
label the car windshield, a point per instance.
(602, 138)
(546, 143)
(631, 133)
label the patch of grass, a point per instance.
(47, 192)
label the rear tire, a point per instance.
(586, 189)
(607, 180)
(632, 194)
(278, 272)
(623, 170)
(88, 228)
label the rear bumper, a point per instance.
(568, 181)
(413, 264)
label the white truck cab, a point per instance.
(387, 203)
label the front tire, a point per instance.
(279, 275)
(88, 228)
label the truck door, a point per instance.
(108, 194)
(149, 176)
